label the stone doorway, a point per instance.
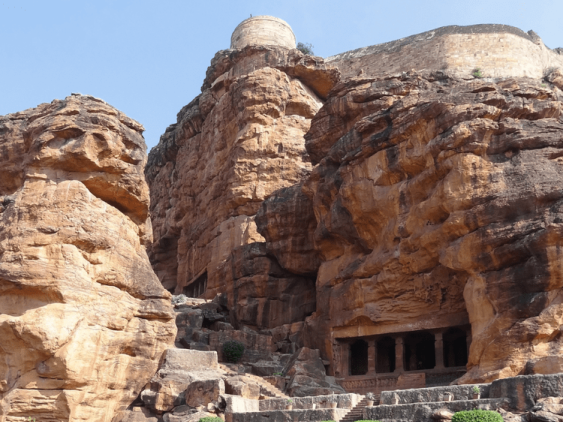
(385, 347)
(419, 352)
(455, 348)
(359, 357)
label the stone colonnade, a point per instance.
(406, 353)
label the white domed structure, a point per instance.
(263, 30)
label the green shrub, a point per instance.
(233, 351)
(306, 48)
(477, 416)
(368, 420)
(211, 419)
(477, 73)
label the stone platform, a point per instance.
(517, 394)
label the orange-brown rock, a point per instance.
(262, 294)
(439, 202)
(83, 318)
(236, 143)
(287, 222)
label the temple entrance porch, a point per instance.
(417, 359)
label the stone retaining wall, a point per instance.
(434, 394)
(345, 401)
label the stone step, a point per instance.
(356, 413)
(421, 412)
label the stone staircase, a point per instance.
(265, 386)
(357, 413)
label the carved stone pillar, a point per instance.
(372, 357)
(398, 354)
(468, 339)
(337, 360)
(345, 359)
(439, 350)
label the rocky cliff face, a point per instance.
(83, 318)
(419, 201)
(235, 144)
(438, 199)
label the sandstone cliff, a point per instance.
(83, 318)
(233, 145)
(437, 200)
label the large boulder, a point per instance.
(83, 318)
(186, 377)
(308, 375)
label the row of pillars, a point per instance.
(399, 354)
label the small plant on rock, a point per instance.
(277, 374)
(233, 351)
(211, 419)
(370, 396)
(476, 390)
(306, 48)
(477, 416)
(477, 73)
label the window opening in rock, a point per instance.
(359, 357)
(385, 347)
(455, 348)
(197, 287)
(419, 351)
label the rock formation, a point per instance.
(435, 197)
(83, 318)
(424, 201)
(235, 144)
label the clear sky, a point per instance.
(148, 58)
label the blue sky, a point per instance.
(148, 58)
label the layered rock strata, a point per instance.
(438, 200)
(83, 318)
(236, 143)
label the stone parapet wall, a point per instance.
(434, 394)
(497, 50)
(263, 30)
(344, 401)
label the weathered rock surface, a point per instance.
(261, 294)
(185, 377)
(308, 375)
(232, 146)
(83, 318)
(435, 197)
(287, 222)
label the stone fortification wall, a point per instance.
(497, 50)
(263, 30)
